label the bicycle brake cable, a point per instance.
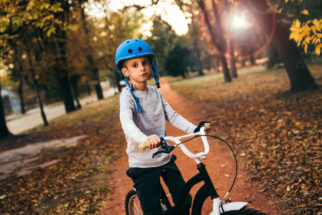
(188, 140)
(231, 149)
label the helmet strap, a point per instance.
(155, 73)
(137, 101)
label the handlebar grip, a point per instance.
(143, 146)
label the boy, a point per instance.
(143, 115)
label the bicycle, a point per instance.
(132, 204)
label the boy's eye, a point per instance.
(145, 63)
(135, 65)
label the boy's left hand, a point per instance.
(206, 124)
(153, 141)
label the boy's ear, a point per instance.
(125, 71)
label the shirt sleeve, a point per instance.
(176, 119)
(126, 117)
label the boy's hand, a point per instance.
(206, 124)
(153, 141)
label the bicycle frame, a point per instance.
(218, 205)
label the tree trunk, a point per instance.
(21, 79)
(220, 45)
(36, 84)
(4, 132)
(74, 82)
(98, 88)
(41, 106)
(298, 73)
(94, 69)
(252, 60)
(197, 51)
(117, 80)
(273, 58)
(183, 75)
(20, 93)
(62, 74)
(216, 59)
(88, 89)
(60, 67)
(195, 34)
(66, 93)
(232, 60)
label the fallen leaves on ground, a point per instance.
(276, 133)
(79, 182)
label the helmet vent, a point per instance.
(140, 48)
(130, 51)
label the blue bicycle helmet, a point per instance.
(134, 48)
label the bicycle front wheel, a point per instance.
(132, 204)
(244, 211)
(203, 206)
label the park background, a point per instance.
(254, 66)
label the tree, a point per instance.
(303, 18)
(17, 73)
(19, 16)
(162, 41)
(232, 61)
(307, 34)
(111, 30)
(92, 64)
(228, 6)
(4, 132)
(176, 63)
(273, 58)
(195, 34)
(48, 20)
(35, 81)
(298, 73)
(61, 64)
(217, 38)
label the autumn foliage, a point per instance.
(276, 134)
(79, 181)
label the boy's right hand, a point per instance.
(153, 141)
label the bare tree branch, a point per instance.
(140, 7)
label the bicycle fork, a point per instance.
(218, 206)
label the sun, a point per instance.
(239, 20)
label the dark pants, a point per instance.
(147, 185)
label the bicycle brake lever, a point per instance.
(166, 148)
(158, 152)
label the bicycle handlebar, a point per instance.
(167, 149)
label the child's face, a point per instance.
(138, 69)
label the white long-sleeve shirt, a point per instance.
(152, 120)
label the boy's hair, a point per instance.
(122, 62)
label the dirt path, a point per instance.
(219, 164)
(20, 123)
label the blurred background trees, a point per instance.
(56, 51)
